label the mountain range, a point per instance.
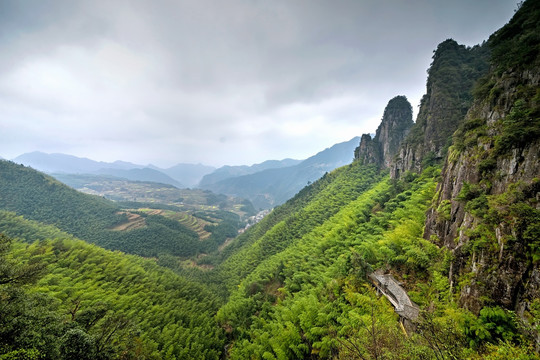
(273, 186)
(266, 184)
(189, 175)
(425, 246)
(227, 171)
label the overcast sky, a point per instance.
(216, 81)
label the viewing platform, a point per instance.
(389, 287)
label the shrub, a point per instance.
(518, 129)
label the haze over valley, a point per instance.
(269, 180)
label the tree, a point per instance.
(77, 345)
(12, 272)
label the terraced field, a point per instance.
(215, 218)
(194, 223)
(123, 190)
(135, 221)
(191, 222)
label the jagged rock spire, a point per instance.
(394, 127)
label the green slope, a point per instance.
(295, 303)
(162, 314)
(39, 197)
(295, 285)
(301, 291)
(309, 208)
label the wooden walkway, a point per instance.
(389, 287)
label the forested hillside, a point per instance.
(313, 206)
(463, 244)
(448, 208)
(39, 197)
(63, 298)
(311, 297)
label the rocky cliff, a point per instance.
(480, 118)
(368, 152)
(451, 76)
(395, 125)
(487, 210)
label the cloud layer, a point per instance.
(218, 82)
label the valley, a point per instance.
(442, 212)
(156, 195)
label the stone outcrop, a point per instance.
(368, 152)
(395, 125)
(488, 200)
(451, 76)
(480, 118)
(502, 269)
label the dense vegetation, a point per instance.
(311, 207)
(66, 299)
(297, 284)
(296, 303)
(310, 298)
(40, 197)
(517, 44)
(313, 298)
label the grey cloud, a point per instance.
(171, 79)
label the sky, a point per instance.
(216, 82)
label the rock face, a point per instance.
(480, 117)
(368, 152)
(451, 76)
(395, 125)
(487, 210)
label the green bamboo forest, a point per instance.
(426, 246)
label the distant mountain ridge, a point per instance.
(187, 174)
(144, 174)
(180, 175)
(227, 171)
(63, 163)
(266, 184)
(271, 187)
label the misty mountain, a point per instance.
(144, 174)
(187, 174)
(69, 164)
(226, 172)
(271, 187)
(426, 246)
